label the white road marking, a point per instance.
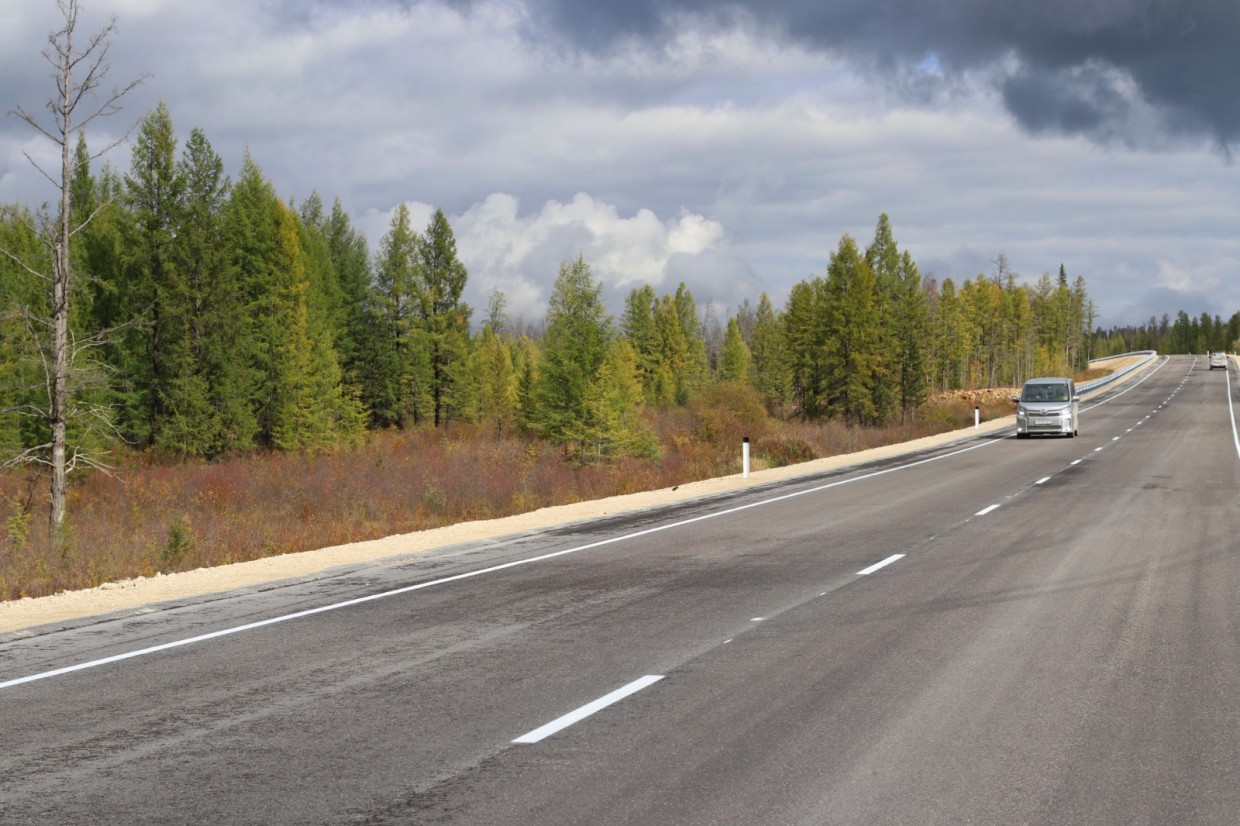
(237, 629)
(1077, 462)
(1231, 409)
(585, 711)
(1042, 480)
(985, 511)
(878, 565)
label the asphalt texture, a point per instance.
(1054, 638)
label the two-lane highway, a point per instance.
(1029, 631)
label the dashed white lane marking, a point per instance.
(237, 629)
(585, 711)
(985, 511)
(876, 566)
(1043, 480)
(1078, 461)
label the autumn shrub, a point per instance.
(152, 515)
(726, 413)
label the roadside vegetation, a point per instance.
(152, 515)
(195, 370)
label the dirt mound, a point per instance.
(976, 398)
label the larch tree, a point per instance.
(443, 319)
(392, 384)
(496, 380)
(78, 72)
(768, 365)
(805, 340)
(574, 345)
(853, 337)
(735, 358)
(883, 257)
(638, 326)
(910, 324)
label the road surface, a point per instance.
(1000, 631)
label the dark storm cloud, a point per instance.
(1114, 70)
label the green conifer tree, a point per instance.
(152, 190)
(853, 337)
(393, 379)
(768, 368)
(443, 319)
(804, 341)
(575, 343)
(734, 362)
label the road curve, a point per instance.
(998, 631)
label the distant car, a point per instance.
(1049, 406)
(1218, 360)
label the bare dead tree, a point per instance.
(78, 71)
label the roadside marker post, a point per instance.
(745, 458)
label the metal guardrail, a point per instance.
(1150, 355)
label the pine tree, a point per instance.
(152, 191)
(207, 397)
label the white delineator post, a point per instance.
(977, 418)
(745, 458)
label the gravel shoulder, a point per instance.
(134, 594)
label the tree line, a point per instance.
(1181, 335)
(238, 321)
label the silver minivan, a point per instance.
(1047, 406)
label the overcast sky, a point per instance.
(725, 145)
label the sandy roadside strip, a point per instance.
(134, 594)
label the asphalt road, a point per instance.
(1054, 638)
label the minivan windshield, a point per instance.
(1057, 392)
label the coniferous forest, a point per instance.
(214, 322)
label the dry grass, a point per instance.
(155, 516)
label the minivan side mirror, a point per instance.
(1016, 400)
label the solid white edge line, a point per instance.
(985, 511)
(224, 632)
(1231, 409)
(883, 564)
(585, 711)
